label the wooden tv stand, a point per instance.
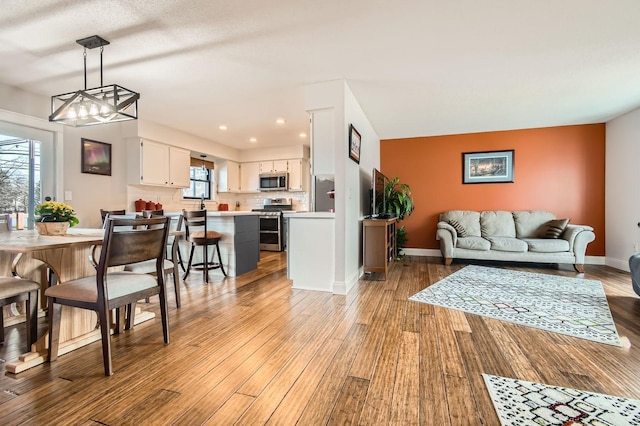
(378, 244)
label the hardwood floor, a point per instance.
(251, 350)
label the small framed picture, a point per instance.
(354, 144)
(96, 157)
(487, 167)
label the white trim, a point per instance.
(58, 141)
(623, 265)
(339, 288)
(588, 260)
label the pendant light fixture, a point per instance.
(100, 105)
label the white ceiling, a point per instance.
(417, 67)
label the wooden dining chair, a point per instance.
(14, 290)
(104, 213)
(198, 235)
(125, 241)
(170, 265)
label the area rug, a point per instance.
(518, 402)
(571, 306)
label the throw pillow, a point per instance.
(458, 227)
(553, 228)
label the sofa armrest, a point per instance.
(579, 236)
(448, 237)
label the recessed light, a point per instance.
(253, 140)
(280, 121)
(222, 127)
(303, 135)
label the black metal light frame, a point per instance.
(104, 104)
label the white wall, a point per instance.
(622, 211)
(336, 107)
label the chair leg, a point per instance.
(205, 264)
(179, 256)
(103, 315)
(119, 320)
(164, 315)
(176, 283)
(54, 315)
(131, 316)
(31, 312)
(220, 260)
(1, 325)
(186, 273)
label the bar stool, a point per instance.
(197, 234)
(17, 290)
(104, 213)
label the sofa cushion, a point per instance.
(473, 243)
(460, 231)
(552, 228)
(529, 222)
(507, 244)
(469, 220)
(546, 245)
(497, 223)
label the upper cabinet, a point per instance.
(299, 175)
(229, 177)
(250, 177)
(154, 163)
(273, 166)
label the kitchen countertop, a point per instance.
(310, 215)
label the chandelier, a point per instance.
(104, 104)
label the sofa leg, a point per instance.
(448, 260)
(579, 267)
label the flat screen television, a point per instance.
(378, 201)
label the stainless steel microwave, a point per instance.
(274, 181)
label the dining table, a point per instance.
(29, 255)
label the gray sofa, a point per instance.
(522, 236)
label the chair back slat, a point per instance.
(195, 220)
(134, 240)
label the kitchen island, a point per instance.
(239, 245)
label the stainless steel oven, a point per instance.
(272, 232)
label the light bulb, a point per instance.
(104, 108)
(82, 111)
(93, 109)
(72, 114)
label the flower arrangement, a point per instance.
(53, 211)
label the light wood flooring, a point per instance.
(252, 351)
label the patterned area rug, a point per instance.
(527, 403)
(572, 306)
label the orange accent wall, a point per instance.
(558, 169)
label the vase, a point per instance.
(52, 228)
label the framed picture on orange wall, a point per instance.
(488, 167)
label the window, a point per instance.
(200, 184)
(20, 180)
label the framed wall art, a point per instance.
(96, 157)
(354, 144)
(487, 167)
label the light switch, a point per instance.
(68, 196)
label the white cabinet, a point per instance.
(273, 166)
(154, 163)
(250, 177)
(229, 177)
(299, 175)
(179, 165)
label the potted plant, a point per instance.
(55, 218)
(399, 203)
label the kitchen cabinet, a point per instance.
(250, 177)
(229, 177)
(273, 166)
(298, 175)
(158, 164)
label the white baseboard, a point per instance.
(623, 265)
(588, 260)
